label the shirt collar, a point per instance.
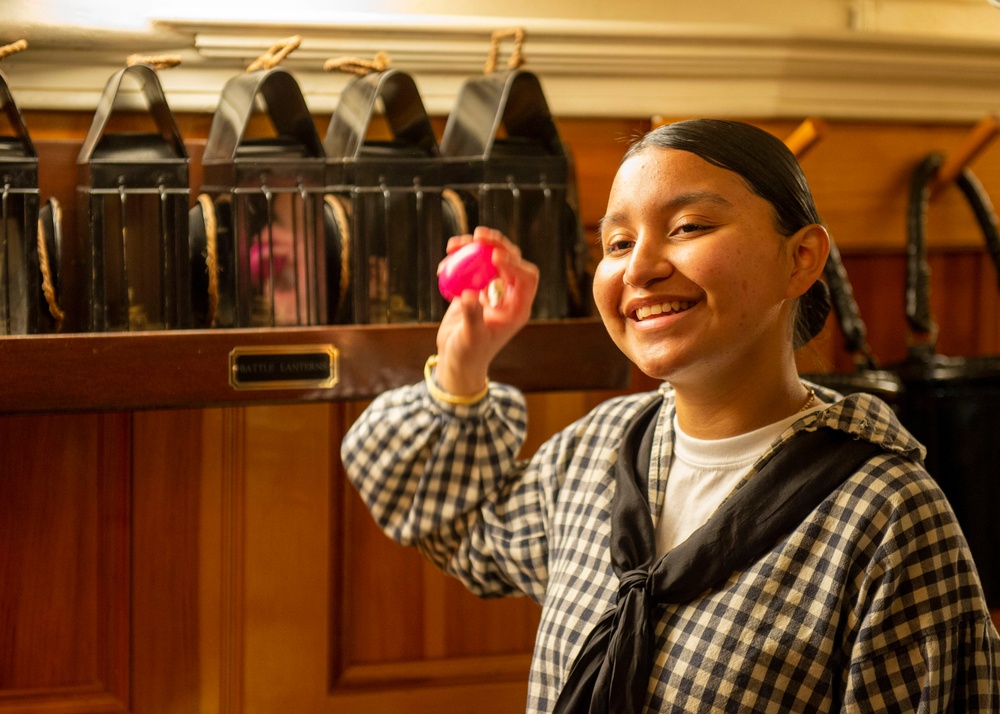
(862, 415)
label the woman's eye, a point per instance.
(616, 245)
(690, 228)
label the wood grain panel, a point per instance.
(221, 524)
(384, 612)
(64, 563)
(286, 543)
(964, 301)
(166, 454)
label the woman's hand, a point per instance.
(474, 329)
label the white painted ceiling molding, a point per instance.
(587, 67)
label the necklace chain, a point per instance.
(810, 400)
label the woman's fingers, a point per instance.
(456, 242)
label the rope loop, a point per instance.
(359, 65)
(13, 48)
(154, 61)
(277, 52)
(516, 59)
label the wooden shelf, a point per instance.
(191, 368)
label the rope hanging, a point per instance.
(44, 263)
(515, 60)
(211, 255)
(358, 65)
(339, 208)
(277, 52)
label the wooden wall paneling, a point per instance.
(166, 458)
(64, 564)
(382, 593)
(286, 598)
(221, 510)
(860, 175)
(964, 302)
(955, 298)
(221, 558)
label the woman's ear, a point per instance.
(809, 248)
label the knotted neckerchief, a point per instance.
(611, 673)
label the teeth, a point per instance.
(663, 308)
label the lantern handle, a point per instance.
(156, 101)
(805, 136)
(975, 142)
(515, 60)
(277, 52)
(13, 48)
(358, 65)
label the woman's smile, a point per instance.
(672, 307)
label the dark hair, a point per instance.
(769, 170)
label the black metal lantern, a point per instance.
(503, 156)
(23, 305)
(129, 268)
(258, 243)
(393, 190)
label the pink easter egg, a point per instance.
(468, 268)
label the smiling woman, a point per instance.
(698, 218)
(737, 540)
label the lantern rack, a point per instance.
(121, 371)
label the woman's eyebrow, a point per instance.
(686, 199)
(675, 203)
(608, 219)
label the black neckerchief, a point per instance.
(611, 672)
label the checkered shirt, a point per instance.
(871, 605)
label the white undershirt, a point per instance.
(703, 472)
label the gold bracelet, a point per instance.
(447, 397)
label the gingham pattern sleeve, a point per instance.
(923, 641)
(445, 478)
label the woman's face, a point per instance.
(694, 276)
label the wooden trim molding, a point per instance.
(588, 67)
(468, 670)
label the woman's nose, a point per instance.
(647, 263)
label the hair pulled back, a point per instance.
(770, 170)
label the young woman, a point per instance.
(738, 540)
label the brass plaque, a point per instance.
(284, 367)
